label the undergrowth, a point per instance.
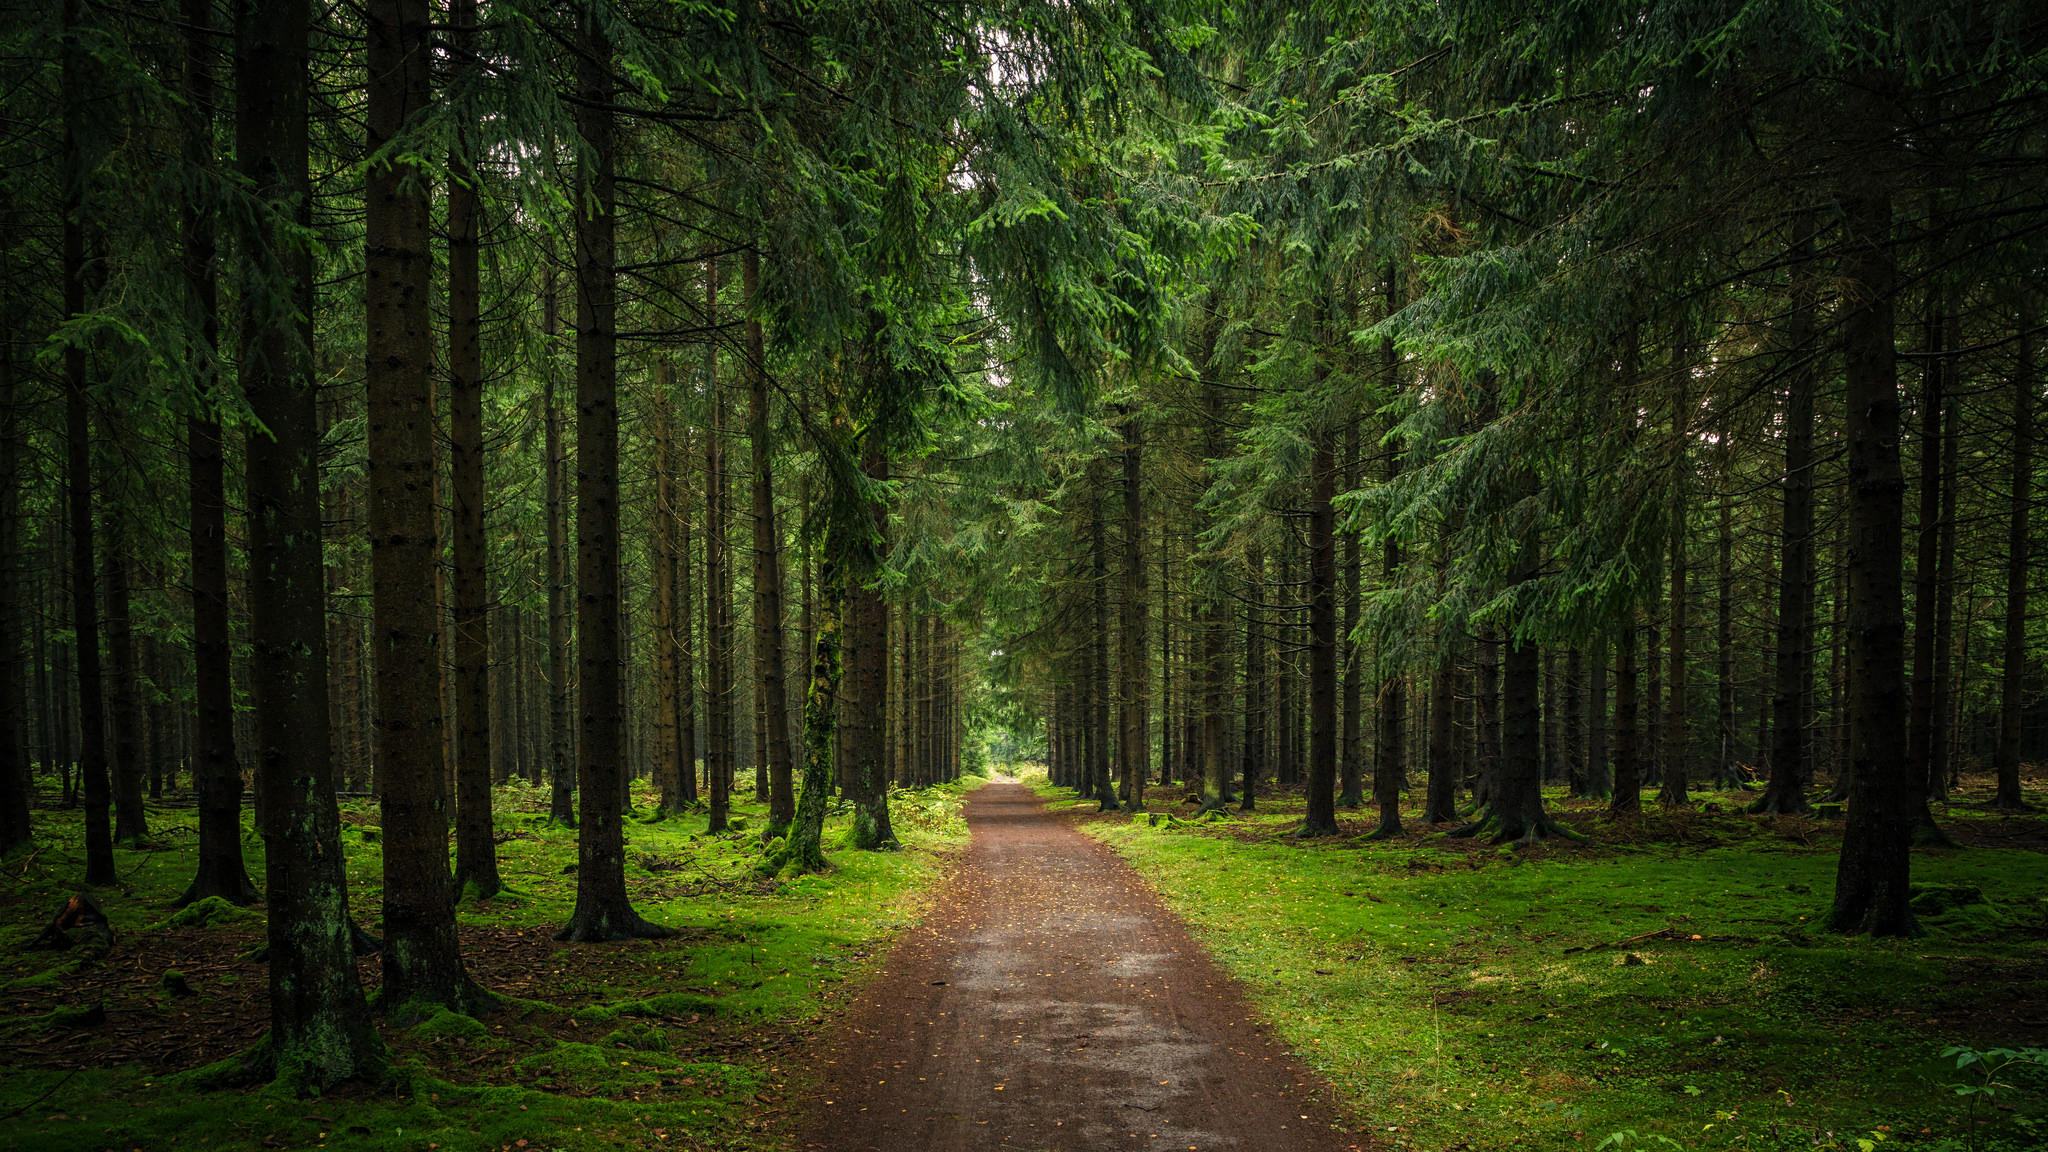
(689, 1043)
(1667, 984)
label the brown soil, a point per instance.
(1050, 1001)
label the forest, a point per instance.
(1037, 574)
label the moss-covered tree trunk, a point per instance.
(768, 614)
(320, 1029)
(867, 655)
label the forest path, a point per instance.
(1050, 1001)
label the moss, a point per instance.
(210, 912)
(441, 1024)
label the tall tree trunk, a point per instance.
(768, 652)
(668, 760)
(1488, 750)
(561, 777)
(2018, 570)
(685, 632)
(1321, 816)
(1677, 715)
(718, 632)
(1572, 719)
(1599, 768)
(131, 825)
(1792, 664)
(85, 621)
(1938, 760)
(1256, 690)
(422, 961)
(476, 853)
(320, 1030)
(1351, 774)
(1135, 755)
(1390, 758)
(1873, 873)
(1628, 785)
(1098, 644)
(17, 693)
(867, 651)
(602, 910)
(1727, 763)
(1212, 616)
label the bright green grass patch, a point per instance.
(1473, 999)
(691, 1043)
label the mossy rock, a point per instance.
(442, 1024)
(208, 913)
(173, 982)
(736, 824)
(76, 1016)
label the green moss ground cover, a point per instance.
(1668, 981)
(689, 1043)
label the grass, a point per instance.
(1668, 982)
(690, 1043)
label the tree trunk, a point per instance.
(768, 654)
(1390, 758)
(320, 1030)
(1135, 755)
(602, 910)
(867, 651)
(1599, 768)
(476, 854)
(1628, 785)
(1792, 665)
(17, 784)
(1727, 764)
(131, 825)
(1098, 644)
(2018, 570)
(1938, 760)
(85, 622)
(1351, 775)
(1677, 715)
(1321, 817)
(561, 778)
(1488, 750)
(1253, 755)
(718, 627)
(668, 760)
(1873, 872)
(421, 960)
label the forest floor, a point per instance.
(1664, 984)
(1050, 1001)
(697, 1042)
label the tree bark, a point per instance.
(1677, 715)
(131, 825)
(422, 961)
(85, 621)
(2018, 570)
(1390, 759)
(1873, 872)
(561, 776)
(768, 652)
(718, 624)
(1321, 817)
(1098, 644)
(1628, 785)
(1351, 775)
(602, 910)
(1134, 655)
(1792, 665)
(17, 784)
(476, 853)
(1599, 768)
(320, 1030)
(667, 759)
(1253, 754)
(867, 654)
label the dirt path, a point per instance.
(1051, 1001)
